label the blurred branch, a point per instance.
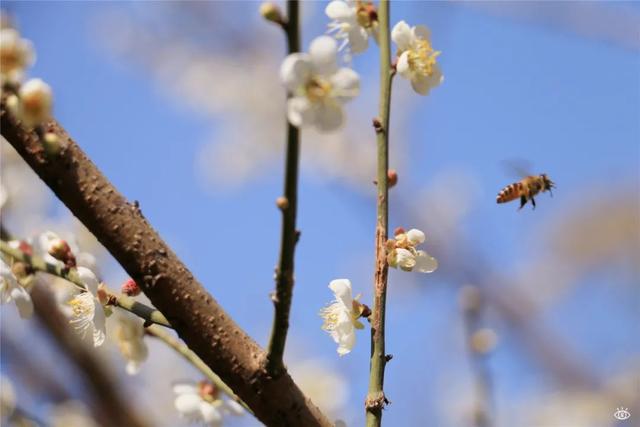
(472, 304)
(284, 276)
(107, 394)
(147, 313)
(193, 359)
(199, 320)
(376, 399)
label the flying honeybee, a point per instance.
(526, 189)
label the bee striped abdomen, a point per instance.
(510, 192)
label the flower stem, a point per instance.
(375, 397)
(284, 272)
(149, 314)
(193, 358)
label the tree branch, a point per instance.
(147, 313)
(196, 316)
(376, 398)
(289, 236)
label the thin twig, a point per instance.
(193, 359)
(376, 399)
(289, 235)
(147, 313)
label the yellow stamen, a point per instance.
(422, 57)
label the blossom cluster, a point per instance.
(319, 88)
(32, 101)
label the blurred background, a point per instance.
(532, 319)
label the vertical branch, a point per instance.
(472, 305)
(288, 205)
(376, 398)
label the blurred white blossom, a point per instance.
(16, 55)
(88, 315)
(318, 87)
(353, 22)
(12, 291)
(129, 334)
(36, 101)
(322, 384)
(416, 57)
(201, 403)
(341, 316)
(402, 252)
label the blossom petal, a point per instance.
(358, 39)
(405, 259)
(402, 35)
(133, 367)
(89, 279)
(339, 10)
(99, 324)
(421, 84)
(300, 111)
(328, 116)
(184, 388)
(210, 414)
(402, 67)
(346, 84)
(421, 32)
(425, 263)
(188, 404)
(295, 71)
(323, 51)
(415, 236)
(23, 301)
(345, 336)
(341, 288)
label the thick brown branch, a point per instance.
(199, 320)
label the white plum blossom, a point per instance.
(201, 403)
(16, 54)
(416, 57)
(88, 315)
(12, 291)
(341, 316)
(402, 252)
(130, 338)
(353, 22)
(36, 102)
(317, 86)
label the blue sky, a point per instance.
(514, 89)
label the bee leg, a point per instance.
(533, 202)
(523, 201)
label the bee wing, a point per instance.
(517, 167)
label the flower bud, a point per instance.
(392, 178)
(484, 340)
(398, 230)
(282, 203)
(36, 100)
(130, 288)
(59, 249)
(271, 12)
